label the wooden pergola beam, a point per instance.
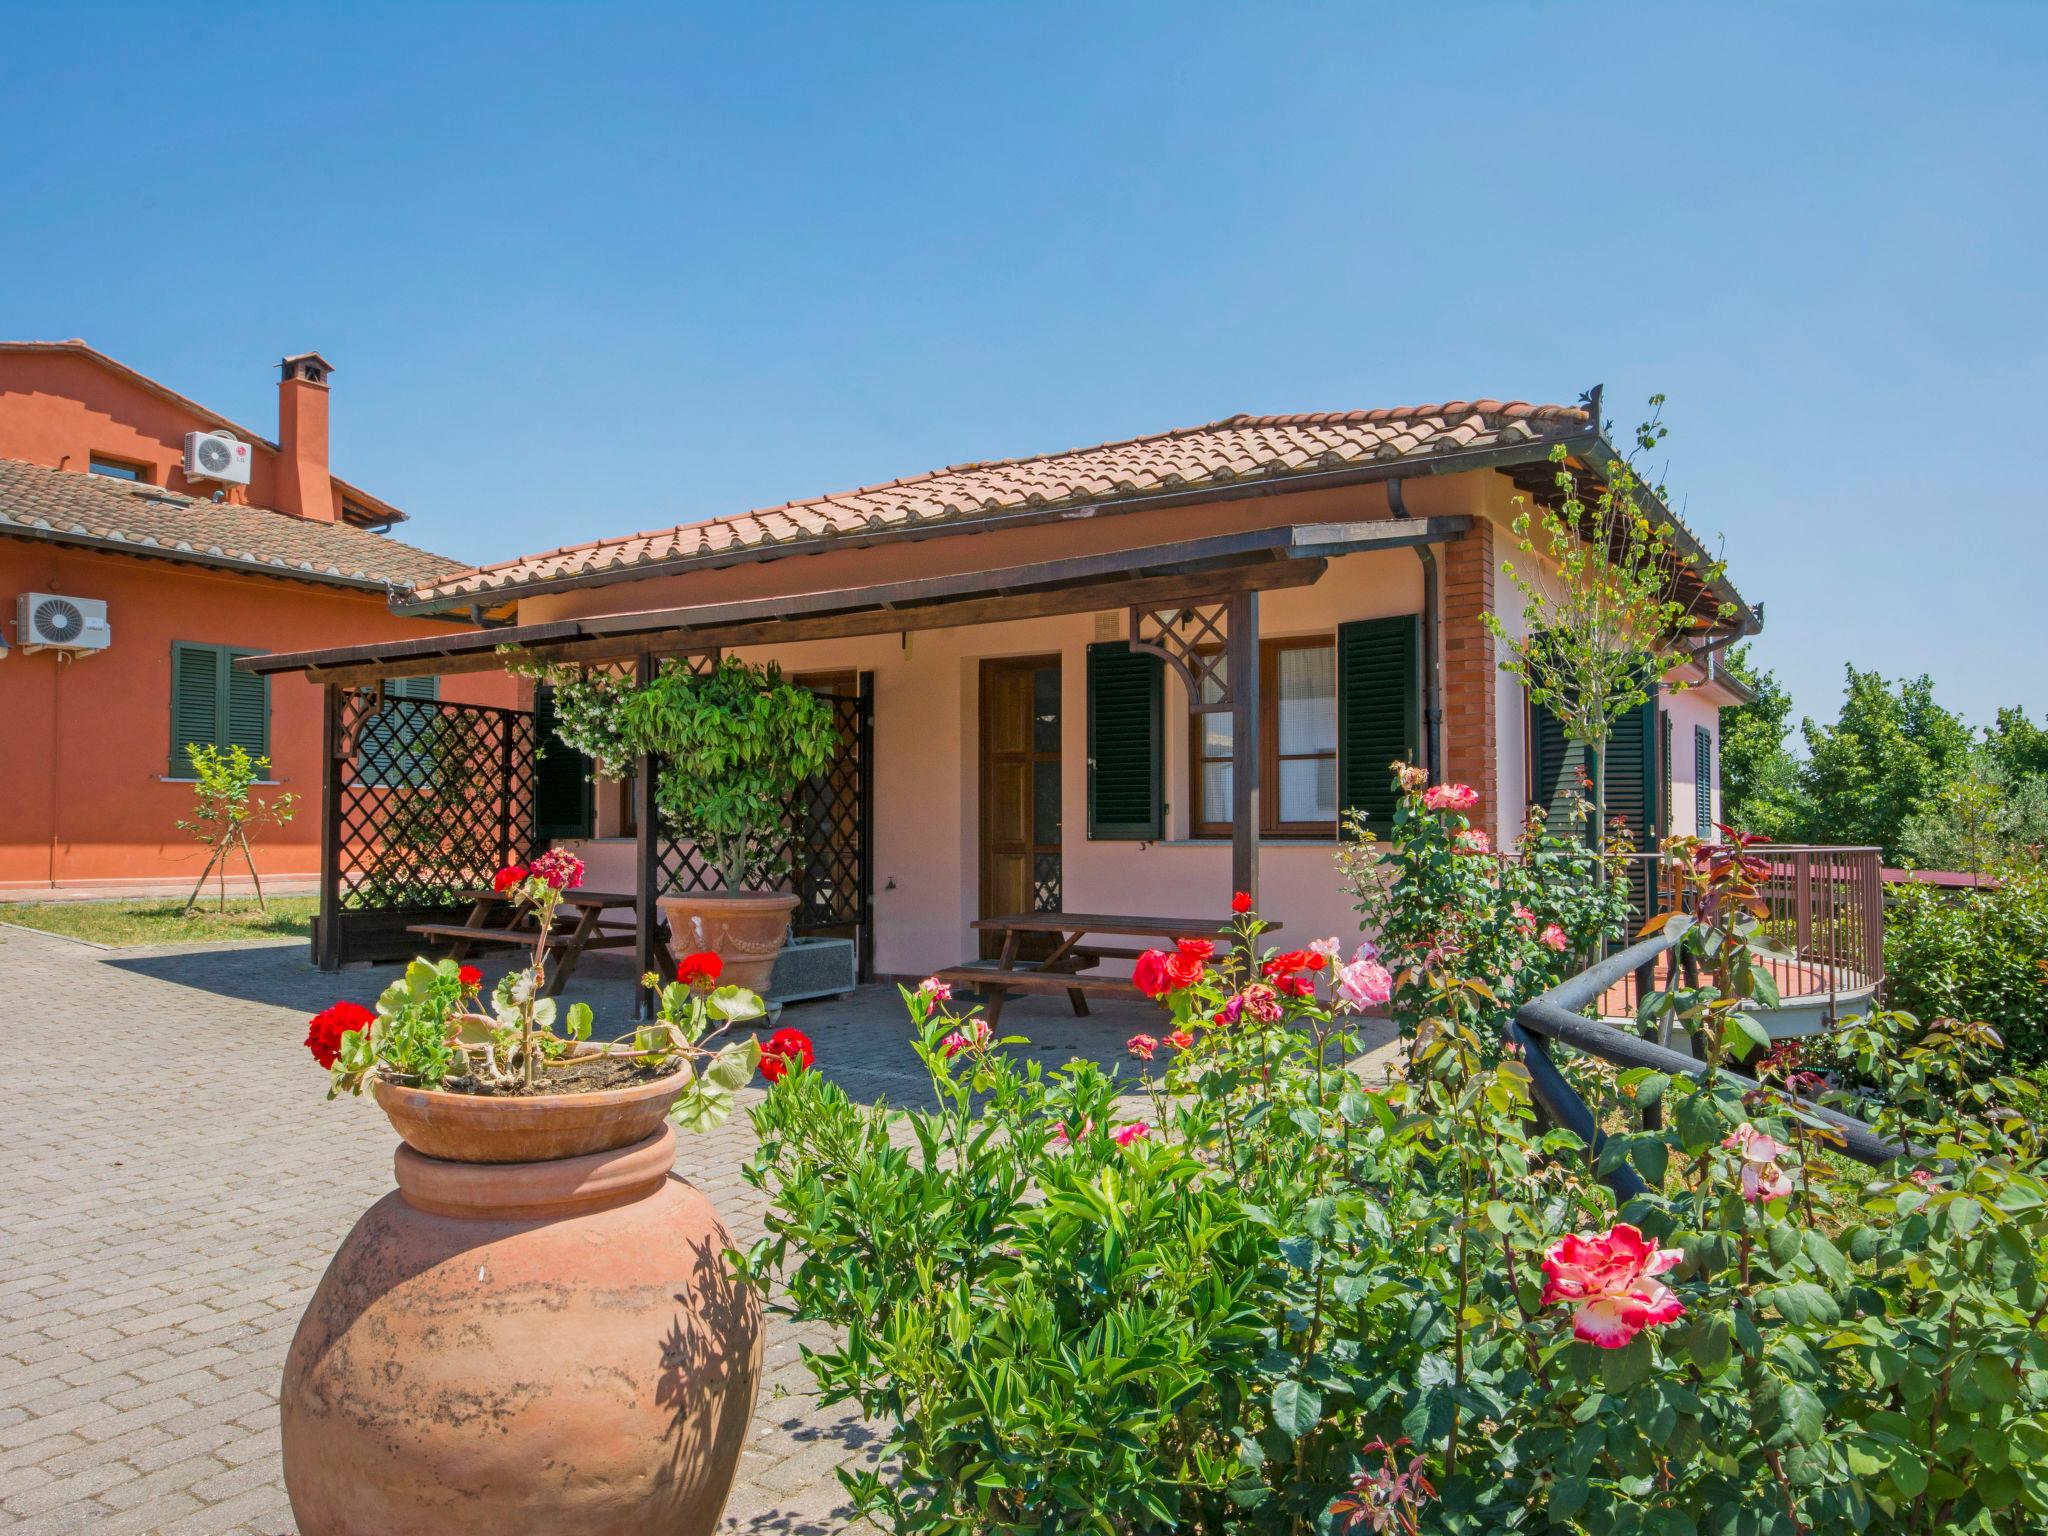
(681, 639)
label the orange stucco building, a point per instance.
(95, 506)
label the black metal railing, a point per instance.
(1558, 1017)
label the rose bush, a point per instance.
(1244, 1290)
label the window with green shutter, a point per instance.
(565, 790)
(1126, 743)
(1379, 712)
(395, 747)
(1703, 781)
(213, 705)
(1560, 770)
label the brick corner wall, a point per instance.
(1471, 674)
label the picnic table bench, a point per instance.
(492, 921)
(1074, 952)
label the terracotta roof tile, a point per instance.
(37, 502)
(1220, 453)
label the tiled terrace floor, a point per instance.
(176, 1185)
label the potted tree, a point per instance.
(733, 749)
(536, 1331)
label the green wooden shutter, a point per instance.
(247, 719)
(1126, 743)
(395, 746)
(564, 794)
(1664, 752)
(1379, 713)
(1703, 780)
(196, 688)
(1632, 772)
(1556, 764)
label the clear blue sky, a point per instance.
(587, 270)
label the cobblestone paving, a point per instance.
(176, 1185)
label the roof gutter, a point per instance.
(1409, 468)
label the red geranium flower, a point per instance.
(1241, 903)
(324, 1030)
(508, 877)
(787, 1050)
(703, 968)
(470, 977)
(1151, 974)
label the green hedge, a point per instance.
(1976, 954)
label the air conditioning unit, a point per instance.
(45, 621)
(216, 456)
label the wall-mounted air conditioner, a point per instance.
(216, 456)
(46, 621)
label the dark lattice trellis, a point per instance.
(424, 800)
(826, 841)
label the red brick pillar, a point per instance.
(1471, 565)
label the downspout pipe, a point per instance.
(1432, 623)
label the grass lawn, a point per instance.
(125, 923)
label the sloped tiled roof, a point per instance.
(1238, 449)
(131, 518)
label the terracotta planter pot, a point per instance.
(527, 1349)
(471, 1128)
(746, 932)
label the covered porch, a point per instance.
(1116, 731)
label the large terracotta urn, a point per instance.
(745, 932)
(526, 1348)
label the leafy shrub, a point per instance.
(1974, 954)
(1246, 1294)
(1437, 894)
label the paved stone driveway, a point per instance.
(174, 1187)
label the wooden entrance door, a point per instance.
(1020, 788)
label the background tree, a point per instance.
(1602, 605)
(1760, 787)
(1892, 750)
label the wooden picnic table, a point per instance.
(570, 937)
(1073, 953)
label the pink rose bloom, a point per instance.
(1123, 1136)
(935, 989)
(976, 1033)
(1450, 797)
(1367, 950)
(1060, 1137)
(1524, 918)
(1553, 937)
(1607, 1282)
(1331, 949)
(1258, 1000)
(1180, 1039)
(1474, 840)
(1141, 1046)
(1762, 1177)
(1364, 984)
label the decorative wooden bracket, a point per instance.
(1193, 639)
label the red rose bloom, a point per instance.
(324, 1030)
(1293, 986)
(1183, 970)
(508, 877)
(1195, 949)
(1241, 903)
(703, 968)
(1151, 974)
(1289, 961)
(470, 977)
(786, 1050)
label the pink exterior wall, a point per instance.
(1694, 707)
